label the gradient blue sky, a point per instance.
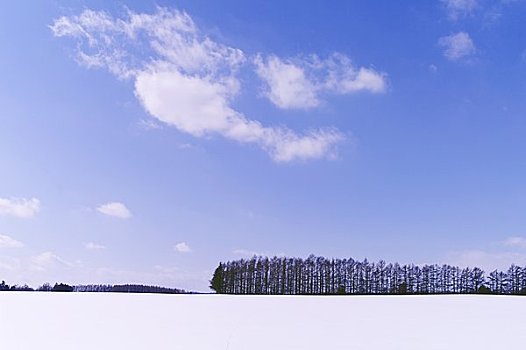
(419, 159)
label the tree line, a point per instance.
(319, 275)
(118, 288)
(46, 287)
(128, 288)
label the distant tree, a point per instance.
(93, 288)
(4, 286)
(217, 281)
(139, 288)
(46, 287)
(61, 287)
(24, 288)
(478, 278)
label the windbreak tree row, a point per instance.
(107, 288)
(318, 275)
(127, 288)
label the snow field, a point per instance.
(39, 320)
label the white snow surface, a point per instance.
(42, 320)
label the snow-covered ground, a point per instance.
(215, 322)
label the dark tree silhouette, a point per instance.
(46, 287)
(122, 288)
(61, 287)
(484, 290)
(138, 288)
(318, 275)
(24, 288)
(216, 283)
(4, 286)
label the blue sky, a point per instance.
(146, 141)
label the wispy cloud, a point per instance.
(9, 264)
(148, 124)
(457, 46)
(246, 252)
(460, 8)
(115, 209)
(51, 267)
(48, 260)
(503, 254)
(186, 80)
(251, 253)
(8, 242)
(515, 242)
(19, 207)
(182, 247)
(297, 83)
(94, 246)
(487, 260)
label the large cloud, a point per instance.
(200, 106)
(186, 80)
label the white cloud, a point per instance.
(457, 46)
(8, 242)
(194, 105)
(343, 77)
(115, 209)
(50, 267)
(182, 247)
(94, 246)
(287, 84)
(488, 261)
(168, 276)
(188, 81)
(460, 8)
(515, 241)
(246, 252)
(297, 83)
(199, 107)
(185, 146)
(9, 264)
(510, 251)
(250, 253)
(19, 207)
(48, 260)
